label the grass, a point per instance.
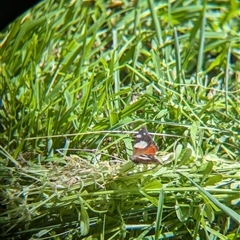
(78, 78)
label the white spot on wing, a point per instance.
(141, 144)
(144, 157)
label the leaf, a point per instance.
(114, 118)
(84, 221)
(182, 213)
(127, 111)
(50, 147)
(209, 212)
(185, 156)
(159, 213)
(194, 132)
(213, 180)
(152, 185)
(207, 170)
(126, 167)
(153, 200)
(178, 151)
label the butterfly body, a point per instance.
(144, 148)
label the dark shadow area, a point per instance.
(11, 9)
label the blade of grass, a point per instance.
(228, 211)
(156, 22)
(159, 214)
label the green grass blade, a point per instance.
(228, 211)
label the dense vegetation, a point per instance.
(78, 78)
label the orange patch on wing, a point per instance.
(149, 150)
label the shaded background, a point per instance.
(11, 9)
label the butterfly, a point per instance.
(144, 148)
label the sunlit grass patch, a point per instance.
(78, 78)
